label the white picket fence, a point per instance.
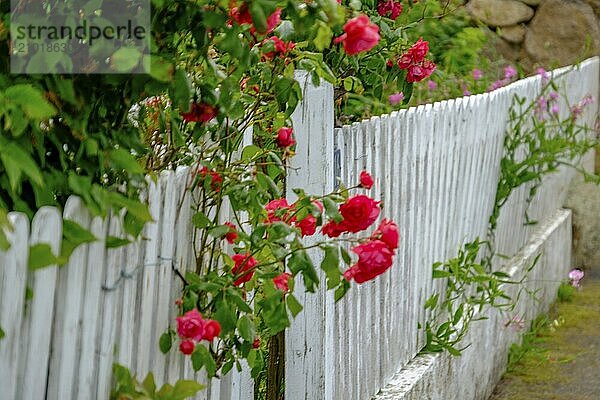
(436, 169)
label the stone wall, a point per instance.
(542, 32)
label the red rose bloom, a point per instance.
(374, 258)
(187, 347)
(366, 180)
(418, 72)
(308, 226)
(212, 329)
(242, 16)
(215, 178)
(389, 8)
(256, 343)
(190, 325)
(359, 213)
(361, 35)
(273, 20)
(273, 206)
(419, 50)
(285, 137)
(388, 233)
(200, 113)
(232, 235)
(333, 229)
(281, 281)
(244, 264)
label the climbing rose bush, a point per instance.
(219, 99)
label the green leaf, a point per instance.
(180, 91)
(201, 221)
(331, 210)
(438, 273)
(341, 290)
(293, 305)
(226, 317)
(17, 162)
(122, 159)
(219, 231)
(2, 334)
(201, 357)
(184, 389)
(268, 184)
(331, 266)
(246, 328)
(113, 242)
(148, 384)
(40, 255)
(432, 301)
(31, 100)
(250, 151)
(165, 342)
(125, 59)
(346, 256)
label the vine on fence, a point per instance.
(540, 139)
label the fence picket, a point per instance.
(13, 279)
(38, 321)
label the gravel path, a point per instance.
(565, 361)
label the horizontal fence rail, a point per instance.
(436, 169)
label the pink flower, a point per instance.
(285, 137)
(281, 281)
(212, 329)
(516, 323)
(389, 8)
(466, 92)
(431, 85)
(555, 109)
(200, 112)
(374, 258)
(576, 275)
(366, 180)
(388, 233)
(418, 72)
(498, 84)
(477, 74)
(542, 72)
(509, 72)
(244, 266)
(361, 35)
(396, 98)
(190, 325)
(187, 347)
(232, 235)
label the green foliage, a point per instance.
(127, 386)
(529, 342)
(469, 289)
(537, 143)
(565, 293)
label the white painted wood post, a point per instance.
(309, 363)
(13, 278)
(46, 227)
